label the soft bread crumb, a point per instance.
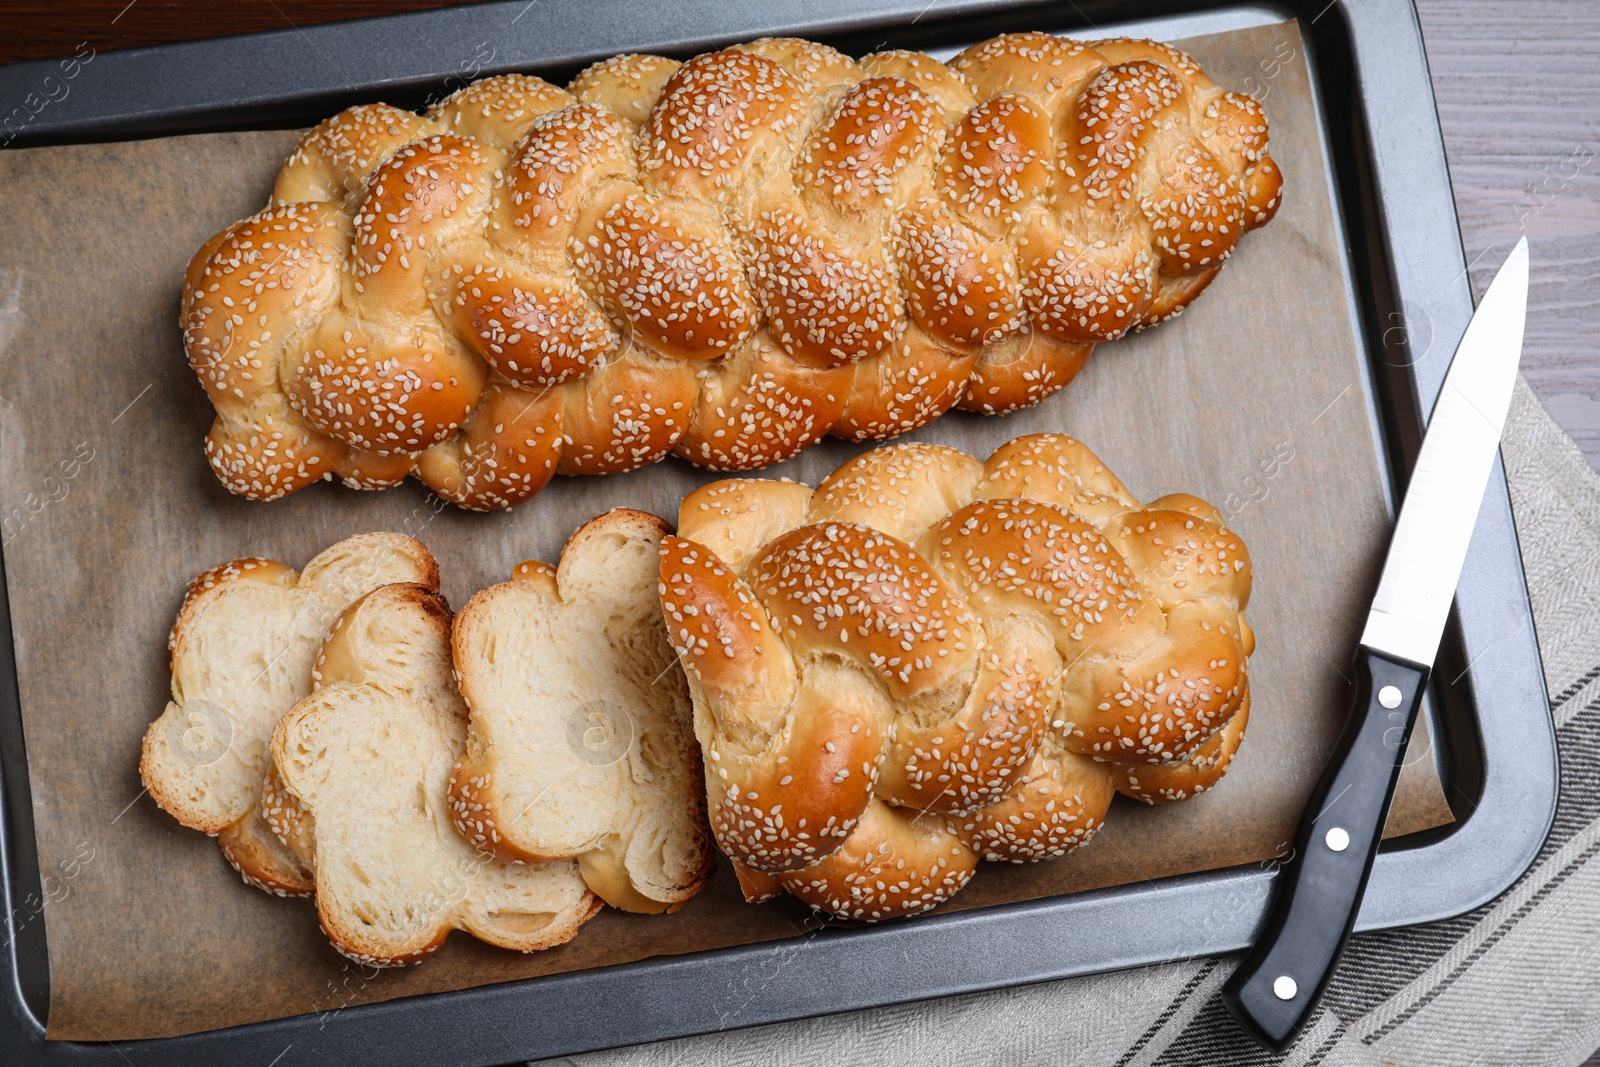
(581, 742)
(243, 648)
(367, 758)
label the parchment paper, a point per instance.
(1255, 399)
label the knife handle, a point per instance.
(1319, 890)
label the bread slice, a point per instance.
(365, 762)
(582, 733)
(242, 649)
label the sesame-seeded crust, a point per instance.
(896, 863)
(242, 652)
(287, 820)
(262, 858)
(791, 756)
(757, 886)
(1164, 783)
(931, 660)
(580, 743)
(725, 259)
(363, 768)
(1057, 803)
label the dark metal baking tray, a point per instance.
(1406, 271)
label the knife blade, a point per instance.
(1319, 889)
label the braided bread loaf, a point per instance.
(725, 259)
(931, 660)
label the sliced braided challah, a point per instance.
(363, 779)
(243, 649)
(725, 259)
(931, 660)
(581, 744)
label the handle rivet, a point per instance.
(1283, 987)
(1389, 696)
(1338, 839)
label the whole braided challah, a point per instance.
(931, 660)
(725, 259)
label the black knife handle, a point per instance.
(1320, 886)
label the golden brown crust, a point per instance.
(913, 381)
(287, 820)
(974, 757)
(901, 491)
(938, 80)
(1022, 371)
(504, 451)
(930, 660)
(721, 632)
(1058, 802)
(757, 886)
(1164, 783)
(895, 863)
(263, 859)
(962, 287)
(499, 111)
(628, 85)
(533, 332)
(848, 590)
(675, 282)
(758, 407)
(627, 414)
(538, 572)
(727, 258)
(737, 516)
(784, 786)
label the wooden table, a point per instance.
(1515, 84)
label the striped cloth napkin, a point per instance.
(1516, 982)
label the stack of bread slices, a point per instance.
(504, 772)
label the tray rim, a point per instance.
(842, 970)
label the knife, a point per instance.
(1319, 890)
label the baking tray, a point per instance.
(1410, 298)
